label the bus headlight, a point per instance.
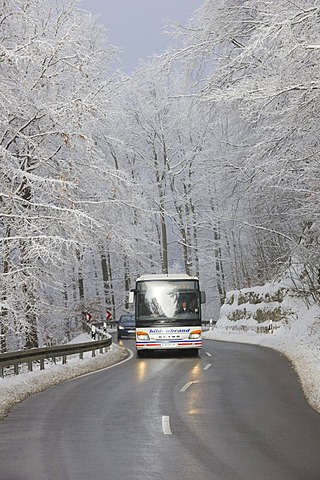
(195, 334)
(142, 335)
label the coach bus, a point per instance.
(167, 312)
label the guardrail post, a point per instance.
(94, 352)
(81, 355)
(64, 359)
(30, 366)
(16, 368)
(41, 363)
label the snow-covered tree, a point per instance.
(258, 65)
(54, 88)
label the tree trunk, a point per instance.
(164, 238)
(80, 276)
(4, 311)
(219, 265)
(126, 269)
(31, 332)
(105, 277)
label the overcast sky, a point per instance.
(136, 26)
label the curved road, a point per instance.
(236, 412)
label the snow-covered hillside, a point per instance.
(295, 329)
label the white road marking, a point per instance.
(186, 386)
(131, 354)
(207, 366)
(166, 425)
(208, 354)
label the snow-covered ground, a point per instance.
(14, 389)
(298, 337)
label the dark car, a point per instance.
(126, 326)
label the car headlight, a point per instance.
(121, 328)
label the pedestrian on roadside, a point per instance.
(93, 332)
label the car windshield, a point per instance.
(128, 319)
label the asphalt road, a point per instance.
(236, 412)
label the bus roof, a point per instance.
(165, 276)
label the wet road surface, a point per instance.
(235, 412)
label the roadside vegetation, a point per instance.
(204, 161)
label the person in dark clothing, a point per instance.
(184, 307)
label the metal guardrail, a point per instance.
(50, 353)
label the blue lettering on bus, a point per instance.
(171, 330)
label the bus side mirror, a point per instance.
(131, 296)
(202, 297)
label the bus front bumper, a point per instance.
(168, 345)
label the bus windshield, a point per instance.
(164, 302)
